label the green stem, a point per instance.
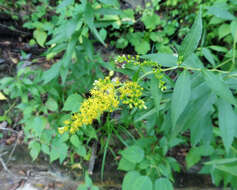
(10, 108)
(104, 156)
(226, 61)
(185, 67)
(220, 71)
(143, 76)
(171, 68)
(233, 57)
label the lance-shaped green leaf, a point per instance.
(181, 96)
(156, 93)
(234, 29)
(231, 169)
(164, 59)
(221, 11)
(227, 123)
(191, 40)
(89, 20)
(218, 86)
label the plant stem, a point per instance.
(226, 61)
(233, 57)
(104, 156)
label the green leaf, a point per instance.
(103, 33)
(126, 165)
(202, 130)
(220, 12)
(208, 55)
(75, 140)
(223, 30)
(129, 179)
(89, 20)
(228, 168)
(141, 183)
(146, 115)
(40, 37)
(58, 150)
(45, 148)
(191, 40)
(163, 184)
(69, 52)
(73, 103)
(221, 161)
(65, 3)
(133, 154)
(110, 2)
(81, 150)
(194, 113)
(195, 154)
(121, 43)
(52, 105)
(156, 93)
(227, 123)
(143, 47)
(150, 20)
(234, 29)
(181, 96)
(193, 61)
(34, 149)
(164, 59)
(38, 125)
(52, 73)
(217, 85)
(218, 48)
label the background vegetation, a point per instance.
(181, 54)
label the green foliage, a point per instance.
(191, 90)
(88, 184)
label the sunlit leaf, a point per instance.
(191, 40)
(217, 85)
(163, 183)
(40, 37)
(227, 122)
(133, 154)
(141, 183)
(2, 97)
(129, 179)
(181, 96)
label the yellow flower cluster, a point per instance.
(103, 99)
(130, 93)
(135, 60)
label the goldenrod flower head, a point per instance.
(130, 93)
(135, 60)
(105, 97)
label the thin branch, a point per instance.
(8, 171)
(92, 159)
(14, 30)
(13, 149)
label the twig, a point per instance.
(8, 171)
(3, 127)
(15, 30)
(13, 149)
(4, 153)
(92, 159)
